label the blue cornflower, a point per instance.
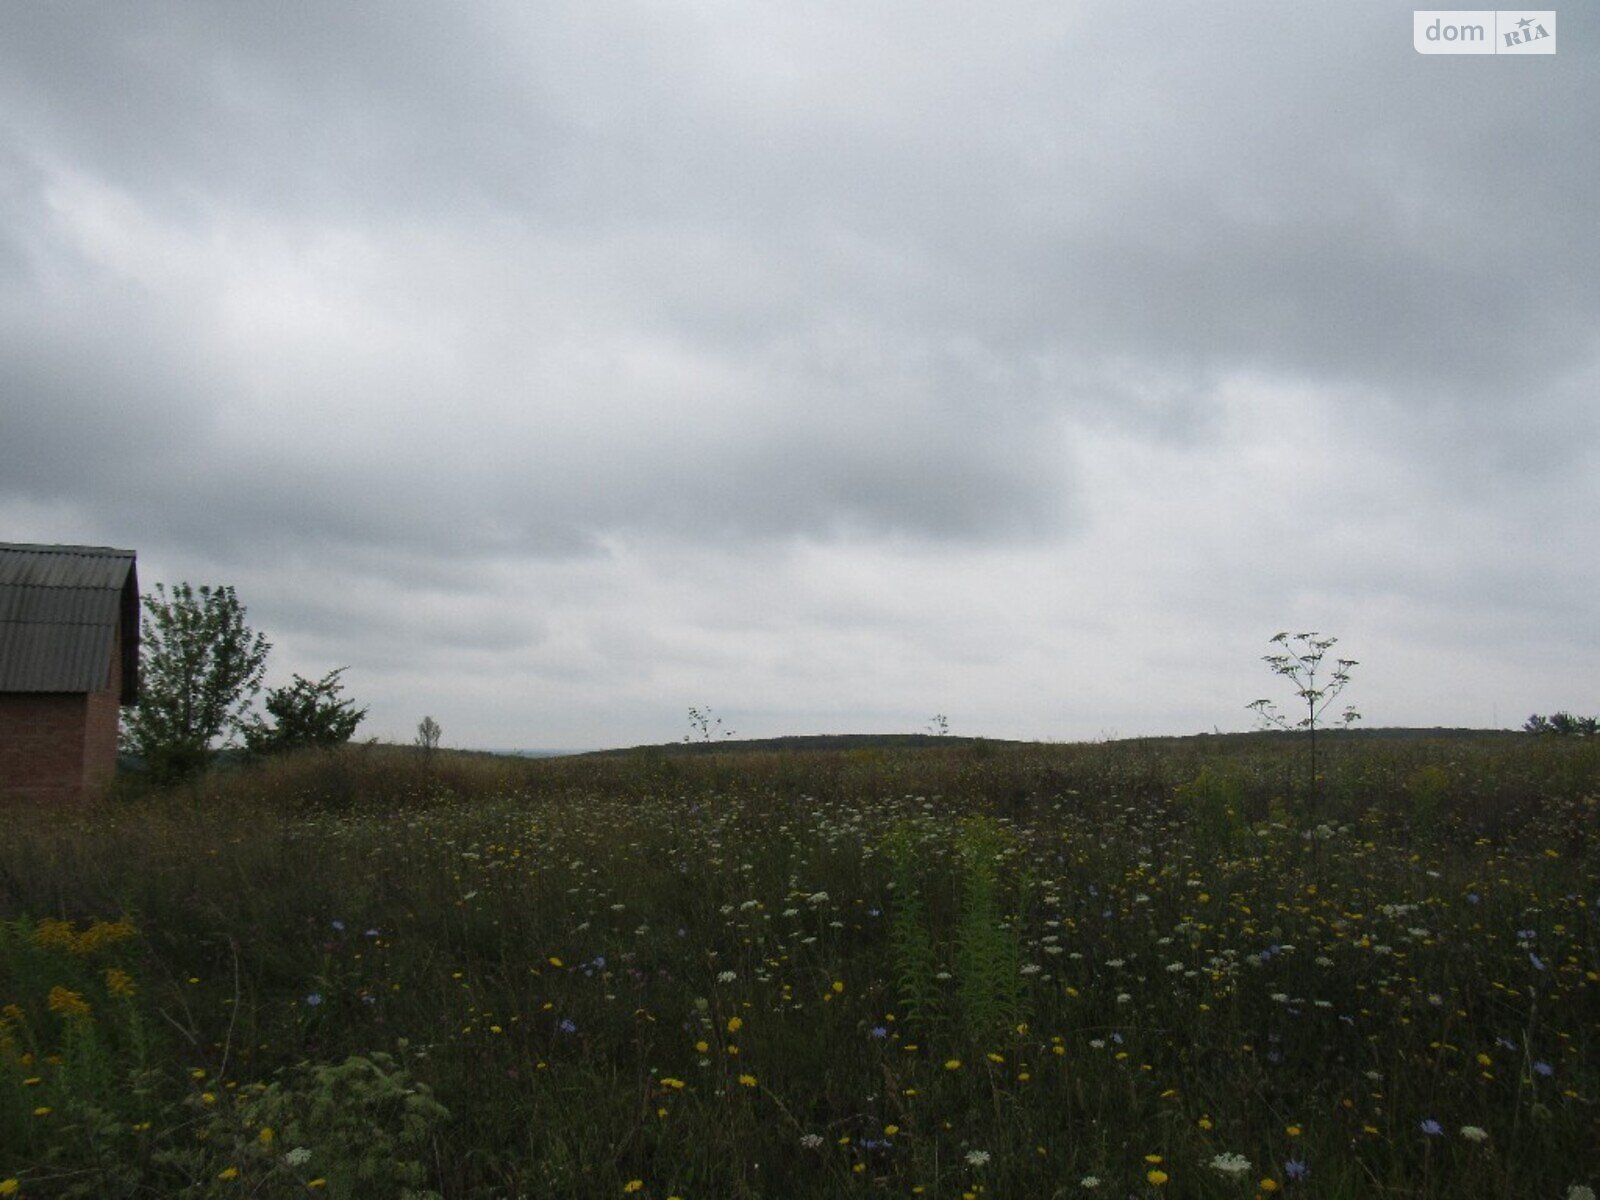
(1543, 1068)
(567, 1025)
(1432, 1128)
(314, 999)
(1538, 963)
(880, 1032)
(338, 926)
(1296, 1169)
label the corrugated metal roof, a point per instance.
(60, 608)
(60, 605)
(64, 566)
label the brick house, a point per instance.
(69, 659)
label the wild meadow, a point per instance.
(1130, 969)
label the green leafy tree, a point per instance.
(1300, 662)
(307, 713)
(200, 666)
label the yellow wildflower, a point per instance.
(119, 983)
(53, 934)
(67, 1003)
(101, 934)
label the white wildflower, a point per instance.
(1235, 1165)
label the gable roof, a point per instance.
(60, 609)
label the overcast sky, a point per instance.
(559, 366)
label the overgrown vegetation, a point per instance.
(201, 667)
(305, 714)
(959, 970)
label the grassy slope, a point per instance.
(954, 967)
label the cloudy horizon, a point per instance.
(556, 368)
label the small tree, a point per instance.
(200, 665)
(308, 713)
(428, 735)
(1299, 663)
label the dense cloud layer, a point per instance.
(562, 366)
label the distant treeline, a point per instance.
(910, 741)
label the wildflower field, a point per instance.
(1149, 969)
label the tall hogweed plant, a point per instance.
(1300, 661)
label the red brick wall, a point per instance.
(41, 746)
(100, 724)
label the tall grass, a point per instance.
(1006, 971)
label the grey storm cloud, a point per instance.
(423, 295)
(1037, 204)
